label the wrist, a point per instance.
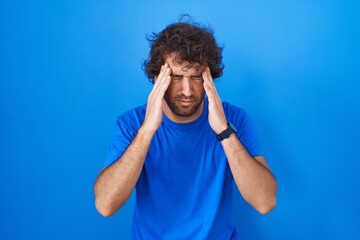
(227, 132)
(146, 132)
(222, 128)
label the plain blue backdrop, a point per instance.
(68, 68)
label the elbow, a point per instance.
(102, 203)
(103, 209)
(106, 207)
(106, 210)
(266, 208)
(269, 204)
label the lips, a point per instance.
(186, 102)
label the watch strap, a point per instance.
(226, 133)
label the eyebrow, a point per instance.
(176, 75)
(181, 75)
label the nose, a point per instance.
(186, 87)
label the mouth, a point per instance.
(186, 103)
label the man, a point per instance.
(184, 148)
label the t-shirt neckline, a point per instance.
(196, 122)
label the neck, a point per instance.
(179, 119)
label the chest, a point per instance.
(194, 153)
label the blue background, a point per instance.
(68, 68)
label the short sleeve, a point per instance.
(124, 132)
(248, 137)
(120, 140)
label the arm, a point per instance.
(252, 175)
(115, 183)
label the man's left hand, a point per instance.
(217, 118)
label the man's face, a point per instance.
(186, 92)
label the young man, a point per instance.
(185, 148)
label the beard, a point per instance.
(180, 110)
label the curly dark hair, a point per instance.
(191, 42)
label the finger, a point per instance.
(207, 75)
(159, 76)
(208, 83)
(164, 80)
(210, 88)
(164, 71)
(163, 84)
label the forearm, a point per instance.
(115, 183)
(253, 178)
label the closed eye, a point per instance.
(176, 77)
(197, 77)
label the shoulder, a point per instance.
(238, 116)
(246, 130)
(132, 118)
(233, 111)
(137, 112)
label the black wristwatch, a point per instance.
(226, 133)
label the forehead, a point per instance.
(178, 65)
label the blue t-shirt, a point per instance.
(185, 187)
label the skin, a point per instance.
(184, 98)
(178, 92)
(252, 175)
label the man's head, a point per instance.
(187, 49)
(185, 93)
(190, 42)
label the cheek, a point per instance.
(174, 87)
(199, 88)
(170, 90)
(171, 87)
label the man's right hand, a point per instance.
(115, 183)
(154, 112)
